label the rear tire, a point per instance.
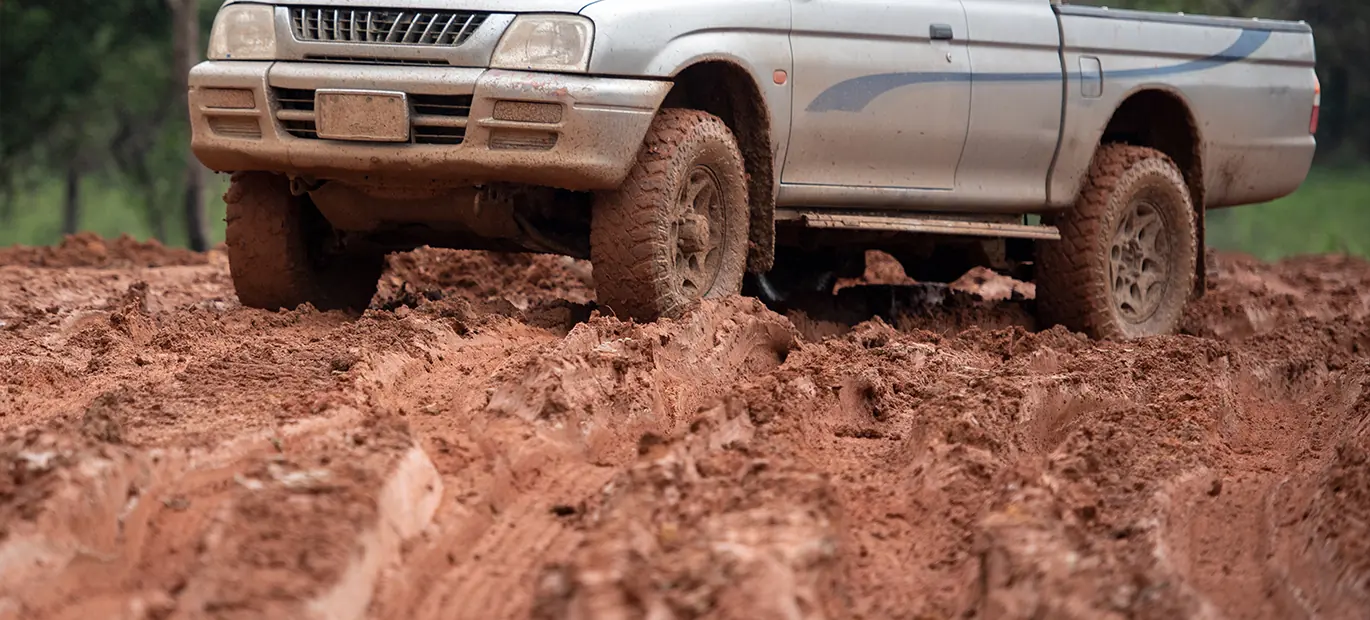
(675, 232)
(1124, 267)
(276, 251)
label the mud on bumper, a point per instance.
(468, 125)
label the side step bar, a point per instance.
(921, 223)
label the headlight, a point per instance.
(546, 43)
(244, 32)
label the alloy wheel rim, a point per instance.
(1139, 265)
(697, 247)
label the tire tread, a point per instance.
(268, 251)
(1072, 273)
(630, 225)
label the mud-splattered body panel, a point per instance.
(979, 106)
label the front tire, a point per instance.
(675, 232)
(276, 251)
(1124, 267)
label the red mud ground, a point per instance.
(481, 444)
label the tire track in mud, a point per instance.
(201, 451)
(553, 421)
(1214, 517)
(169, 454)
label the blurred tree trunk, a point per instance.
(1336, 110)
(197, 234)
(185, 45)
(159, 228)
(71, 208)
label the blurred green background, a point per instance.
(93, 129)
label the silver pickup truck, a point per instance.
(684, 146)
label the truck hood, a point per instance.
(493, 6)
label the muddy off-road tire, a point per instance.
(675, 232)
(275, 252)
(1124, 266)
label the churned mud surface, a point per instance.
(483, 443)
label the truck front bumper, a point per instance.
(468, 125)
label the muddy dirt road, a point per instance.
(481, 444)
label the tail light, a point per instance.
(1317, 105)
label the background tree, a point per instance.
(90, 89)
(186, 50)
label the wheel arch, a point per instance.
(1162, 119)
(726, 89)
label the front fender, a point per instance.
(660, 39)
(663, 39)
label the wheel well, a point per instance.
(1161, 120)
(727, 91)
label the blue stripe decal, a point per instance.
(855, 94)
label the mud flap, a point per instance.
(1201, 261)
(761, 238)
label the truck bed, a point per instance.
(1247, 84)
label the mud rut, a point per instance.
(481, 444)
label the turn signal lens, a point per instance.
(1317, 105)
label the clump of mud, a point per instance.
(881, 268)
(484, 277)
(90, 250)
(1248, 298)
(707, 523)
(28, 461)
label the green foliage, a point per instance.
(52, 55)
(1330, 213)
(110, 206)
(88, 87)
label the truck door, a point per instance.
(1015, 117)
(881, 93)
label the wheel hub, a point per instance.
(694, 234)
(697, 241)
(1139, 262)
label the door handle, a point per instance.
(941, 32)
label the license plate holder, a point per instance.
(361, 115)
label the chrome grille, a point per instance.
(388, 26)
(434, 119)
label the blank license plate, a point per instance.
(365, 115)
